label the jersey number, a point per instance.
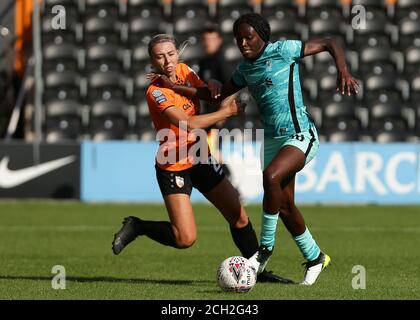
(299, 137)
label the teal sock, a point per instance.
(307, 245)
(268, 230)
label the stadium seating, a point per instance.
(106, 85)
(385, 81)
(142, 29)
(344, 136)
(95, 69)
(62, 85)
(385, 116)
(104, 57)
(60, 57)
(63, 120)
(404, 7)
(409, 30)
(383, 56)
(412, 60)
(102, 30)
(330, 8)
(191, 9)
(285, 7)
(387, 136)
(415, 88)
(64, 130)
(68, 35)
(284, 27)
(327, 25)
(103, 8)
(189, 28)
(144, 8)
(226, 7)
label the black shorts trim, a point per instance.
(292, 99)
(310, 143)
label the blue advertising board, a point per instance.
(120, 171)
(362, 173)
(340, 173)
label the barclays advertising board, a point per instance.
(340, 173)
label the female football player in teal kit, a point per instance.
(270, 71)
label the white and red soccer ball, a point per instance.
(235, 274)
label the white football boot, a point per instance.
(314, 269)
(260, 258)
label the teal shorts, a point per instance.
(306, 141)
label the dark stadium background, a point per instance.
(94, 71)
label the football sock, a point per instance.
(245, 239)
(307, 245)
(268, 231)
(160, 231)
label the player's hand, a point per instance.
(346, 83)
(233, 106)
(215, 88)
(162, 79)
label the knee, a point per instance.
(241, 222)
(286, 210)
(270, 178)
(185, 241)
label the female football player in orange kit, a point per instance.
(174, 117)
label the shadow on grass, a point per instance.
(217, 291)
(110, 280)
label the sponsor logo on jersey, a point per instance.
(268, 82)
(159, 96)
(269, 65)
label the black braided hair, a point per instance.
(258, 22)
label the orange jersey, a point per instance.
(158, 100)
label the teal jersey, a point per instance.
(273, 81)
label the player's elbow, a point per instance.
(189, 123)
(330, 44)
(192, 125)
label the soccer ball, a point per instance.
(235, 274)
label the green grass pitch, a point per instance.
(37, 235)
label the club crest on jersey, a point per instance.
(159, 96)
(269, 65)
(179, 181)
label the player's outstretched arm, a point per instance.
(214, 92)
(345, 81)
(228, 108)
